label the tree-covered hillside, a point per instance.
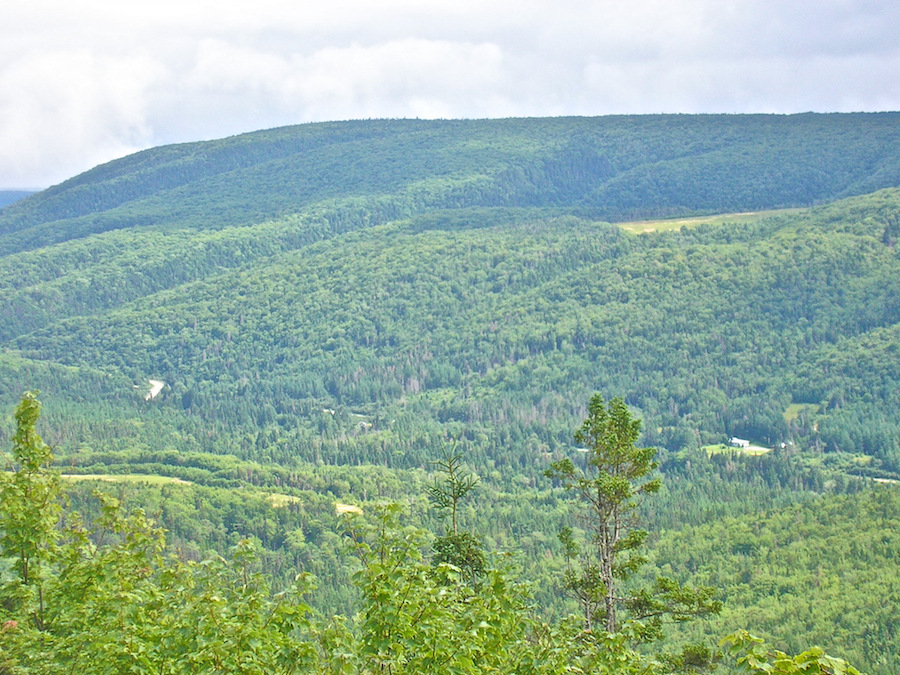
(348, 175)
(325, 307)
(356, 265)
(97, 582)
(825, 572)
(491, 324)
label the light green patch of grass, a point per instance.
(793, 411)
(126, 478)
(839, 461)
(723, 448)
(279, 501)
(640, 226)
(340, 508)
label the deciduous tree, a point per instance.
(29, 495)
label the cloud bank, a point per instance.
(82, 83)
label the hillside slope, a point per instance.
(614, 167)
(821, 573)
(494, 323)
(333, 303)
(428, 277)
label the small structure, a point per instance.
(736, 442)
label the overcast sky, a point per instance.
(83, 82)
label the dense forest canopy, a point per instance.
(98, 588)
(351, 174)
(325, 305)
(366, 346)
(7, 197)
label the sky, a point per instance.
(88, 81)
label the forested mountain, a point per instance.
(493, 324)
(7, 197)
(349, 175)
(325, 306)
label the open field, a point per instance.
(279, 501)
(341, 509)
(793, 411)
(723, 448)
(639, 226)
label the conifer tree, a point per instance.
(457, 547)
(614, 479)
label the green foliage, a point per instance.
(609, 486)
(447, 491)
(618, 167)
(496, 334)
(327, 302)
(413, 615)
(754, 656)
(823, 573)
(107, 599)
(420, 618)
(114, 602)
(459, 548)
(29, 510)
(613, 480)
(463, 550)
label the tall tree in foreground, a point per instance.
(29, 495)
(457, 547)
(614, 479)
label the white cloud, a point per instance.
(82, 82)
(382, 79)
(61, 112)
(225, 85)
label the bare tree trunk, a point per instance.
(607, 564)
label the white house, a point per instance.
(736, 442)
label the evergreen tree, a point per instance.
(457, 547)
(611, 484)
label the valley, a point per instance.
(320, 310)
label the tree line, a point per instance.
(105, 595)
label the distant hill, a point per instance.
(7, 197)
(420, 278)
(353, 174)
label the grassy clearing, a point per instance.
(722, 448)
(279, 501)
(346, 508)
(793, 411)
(640, 226)
(126, 478)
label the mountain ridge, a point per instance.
(618, 167)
